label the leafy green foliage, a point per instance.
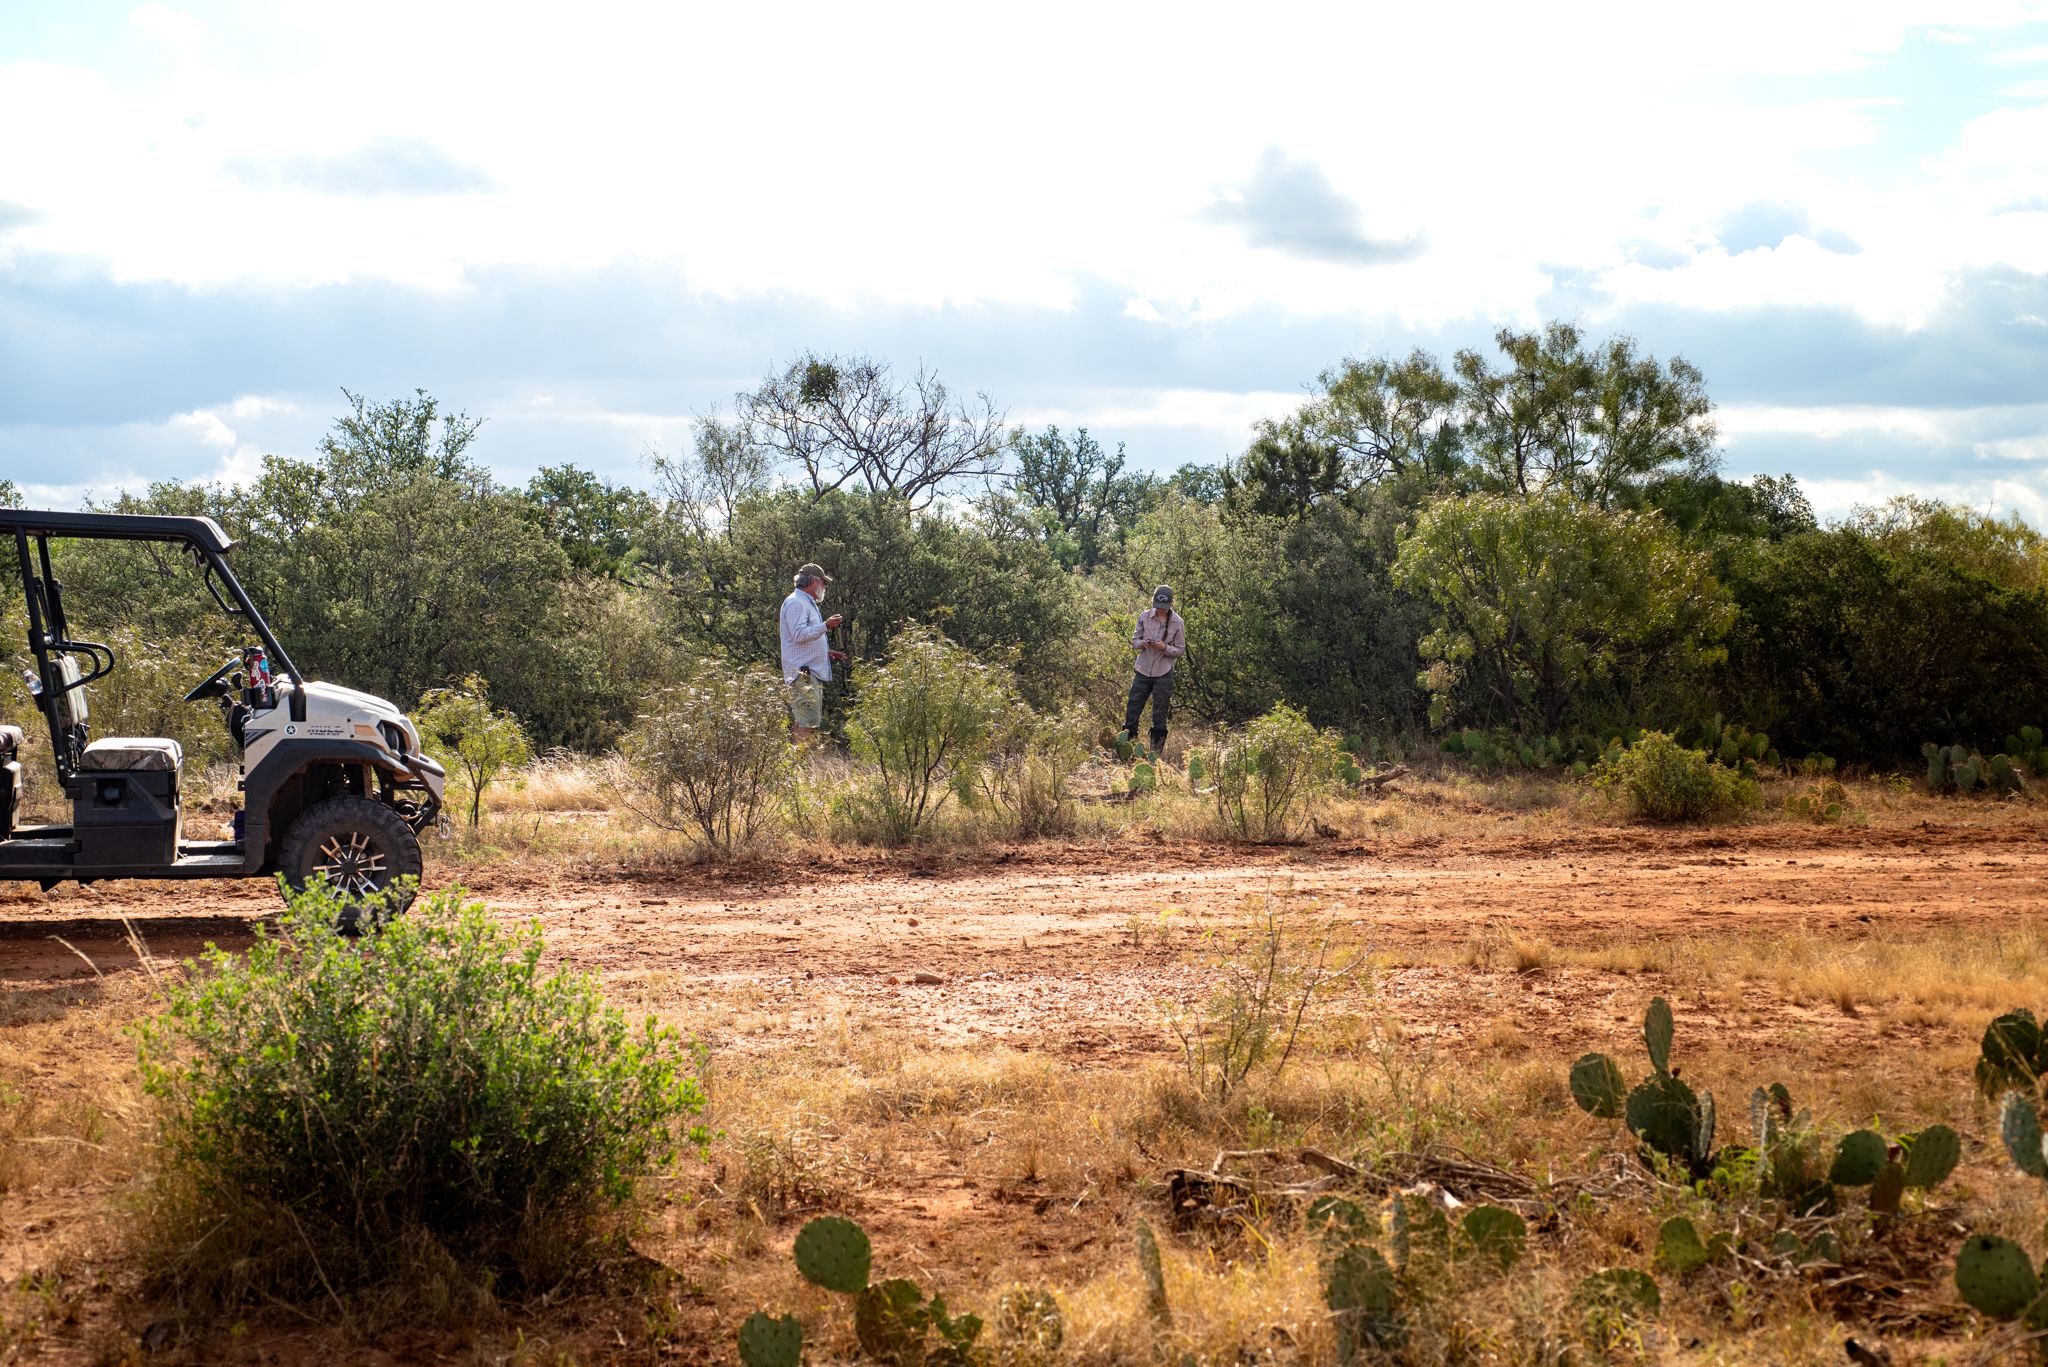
(711, 755)
(1270, 775)
(929, 712)
(477, 743)
(891, 1318)
(1551, 614)
(1361, 1292)
(429, 1081)
(1661, 780)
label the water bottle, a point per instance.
(35, 685)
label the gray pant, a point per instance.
(1160, 691)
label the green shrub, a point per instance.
(1029, 767)
(331, 1107)
(459, 727)
(1269, 776)
(1662, 780)
(711, 756)
(927, 714)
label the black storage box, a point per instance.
(125, 819)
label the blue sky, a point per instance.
(592, 224)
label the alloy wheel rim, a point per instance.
(352, 863)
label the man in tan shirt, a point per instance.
(1160, 640)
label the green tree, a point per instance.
(10, 494)
(1085, 499)
(598, 524)
(1594, 424)
(1549, 613)
(459, 727)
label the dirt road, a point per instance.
(1072, 948)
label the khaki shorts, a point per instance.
(807, 701)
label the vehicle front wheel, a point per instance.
(361, 847)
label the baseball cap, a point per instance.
(812, 571)
(1162, 595)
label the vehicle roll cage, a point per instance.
(49, 635)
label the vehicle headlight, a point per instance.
(397, 738)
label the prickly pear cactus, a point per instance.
(1679, 1247)
(1338, 1221)
(1994, 1275)
(957, 1334)
(1360, 1289)
(1421, 1230)
(1931, 1156)
(2019, 1125)
(1888, 1190)
(1658, 1028)
(1859, 1159)
(1144, 778)
(890, 1319)
(1126, 749)
(2013, 1054)
(1598, 1087)
(1496, 1234)
(766, 1342)
(834, 1253)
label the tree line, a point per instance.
(1535, 541)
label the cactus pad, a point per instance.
(1931, 1156)
(1340, 1221)
(1361, 1290)
(1994, 1276)
(2013, 1053)
(766, 1342)
(1859, 1158)
(1665, 1115)
(1657, 1027)
(1496, 1233)
(1420, 1227)
(834, 1253)
(890, 1319)
(1679, 1247)
(1598, 1087)
(2020, 1127)
(957, 1334)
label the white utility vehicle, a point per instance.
(333, 782)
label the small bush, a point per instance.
(459, 727)
(711, 757)
(332, 1108)
(1029, 768)
(1268, 776)
(927, 715)
(1661, 780)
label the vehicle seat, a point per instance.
(71, 708)
(127, 753)
(11, 741)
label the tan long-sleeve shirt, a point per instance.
(1173, 636)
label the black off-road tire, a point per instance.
(362, 846)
